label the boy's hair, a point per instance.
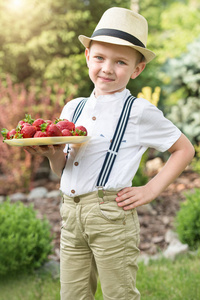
(121, 26)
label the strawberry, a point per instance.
(25, 124)
(28, 131)
(45, 125)
(27, 119)
(80, 130)
(38, 123)
(11, 134)
(8, 134)
(40, 134)
(53, 130)
(66, 132)
(21, 122)
(48, 121)
(65, 124)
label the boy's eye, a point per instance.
(120, 62)
(99, 57)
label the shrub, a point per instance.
(187, 221)
(185, 115)
(196, 160)
(184, 74)
(25, 241)
(183, 91)
(17, 166)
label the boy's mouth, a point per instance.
(106, 79)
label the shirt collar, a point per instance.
(110, 97)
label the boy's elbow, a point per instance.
(192, 152)
(184, 147)
(189, 151)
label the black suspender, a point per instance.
(78, 110)
(116, 140)
(115, 144)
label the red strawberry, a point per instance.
(28, 131)
(40, 134)
(27, 119)
(38, 123)
(80, 130)
(26, 124)
(11, 134)
(65, 124)
(8, 134)
(53, 130)
(66, 132)
(21, 122)
(48, 121)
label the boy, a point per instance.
(100, 231)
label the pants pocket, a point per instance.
(67, 215)
(110, 211)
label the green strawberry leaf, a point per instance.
(28, 119)
(4, 132)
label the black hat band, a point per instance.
(119, 34)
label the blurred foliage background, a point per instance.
(42, 63)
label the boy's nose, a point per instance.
(107, 67)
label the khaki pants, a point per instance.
(98, 237)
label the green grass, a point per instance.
(167, 280)
(160, 280)
(29, 287)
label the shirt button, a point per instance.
(93, 118)
(73, 191)
(76, 163)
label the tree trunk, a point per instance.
(135, 6)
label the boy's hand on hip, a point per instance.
(131, 197)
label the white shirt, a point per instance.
(147, 127)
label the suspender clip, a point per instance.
(100, 192)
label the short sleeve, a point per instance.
(69, 108)
(156, 131)
(68, 112)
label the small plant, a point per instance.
(25, 240)
(187, 221)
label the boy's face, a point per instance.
(112, 66)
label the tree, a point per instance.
(135, 5)
(172, 26)
(43, 43)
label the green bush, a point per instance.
(184, 91)
(25, 240)
(196, 160)
(18, 166)
(185, 115)
(187, 221)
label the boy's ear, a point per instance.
(87, 55)
(139, 68)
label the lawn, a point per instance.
(160, 280)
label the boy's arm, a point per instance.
(182, 153)
(55, 155)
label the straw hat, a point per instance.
(124, 27)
